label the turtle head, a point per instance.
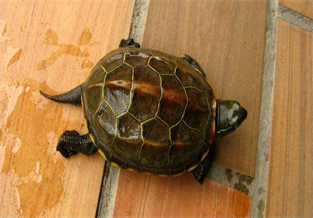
(229, 116)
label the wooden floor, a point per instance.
(52, 46)
(291, 162)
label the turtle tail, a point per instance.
(73, 96)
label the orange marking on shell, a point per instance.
(212, 133)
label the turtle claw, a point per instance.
(129, 42)
(65, 142)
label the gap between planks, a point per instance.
(259, 185)
(295, 18)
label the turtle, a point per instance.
(149, 111)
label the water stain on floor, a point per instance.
(11, 56)
(33, 171)
(3, 27)
(51, 38)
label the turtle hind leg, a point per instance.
(202, 169)
(129, 42)
(72, 97)
(194, 64)
(71, 142)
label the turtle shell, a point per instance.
(149, 111)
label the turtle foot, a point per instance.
(65, 143)
(129, 42)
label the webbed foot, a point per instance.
(71, 142)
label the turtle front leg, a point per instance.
(202, 169)
(71, 142)
(129, 42)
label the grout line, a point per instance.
(139, 20)
(110, 182)
(259, 190)
(295, 18)
(108, 191)
(230, 178)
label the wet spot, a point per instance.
(243, 184)
(229, 175)
(85, 37)
(16, 145)
(52, 39)
(261, 191)
(27, 168)
(11, 56)
(2, 152)
(16, 56)
(261, 207)
(52, 140)
(87, 64)
(241, 187)
(10, 199)
(64, 49)
(8, 100)
(3, 27)
(38, 100)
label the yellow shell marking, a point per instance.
(207, 80)
(204, 155)
(133, 170)
(86, 123)
(178, 174)
(192, 168)
(102, 154)
(92, 138)
(115, 165)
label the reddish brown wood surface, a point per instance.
(50, 45)
(150, 196)
(290, 187)
(227, 39)
(304, 7)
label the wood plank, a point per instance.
(50, 45)
(227, 39)
(304, 7)
(290, 187)
(150, 196)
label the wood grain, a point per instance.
(227, 39)
(290, 187)
(151, 196)
(304, 7)
(50, 45)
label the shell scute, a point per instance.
(173, 100)
(185, 143)
(103, 127)
(136, 58)
(156, 144)
(197, 110)
(117, 88)
(93, 89)
(146, 93)
(113, 60)
(128, 139)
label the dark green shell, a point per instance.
(149, 111)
